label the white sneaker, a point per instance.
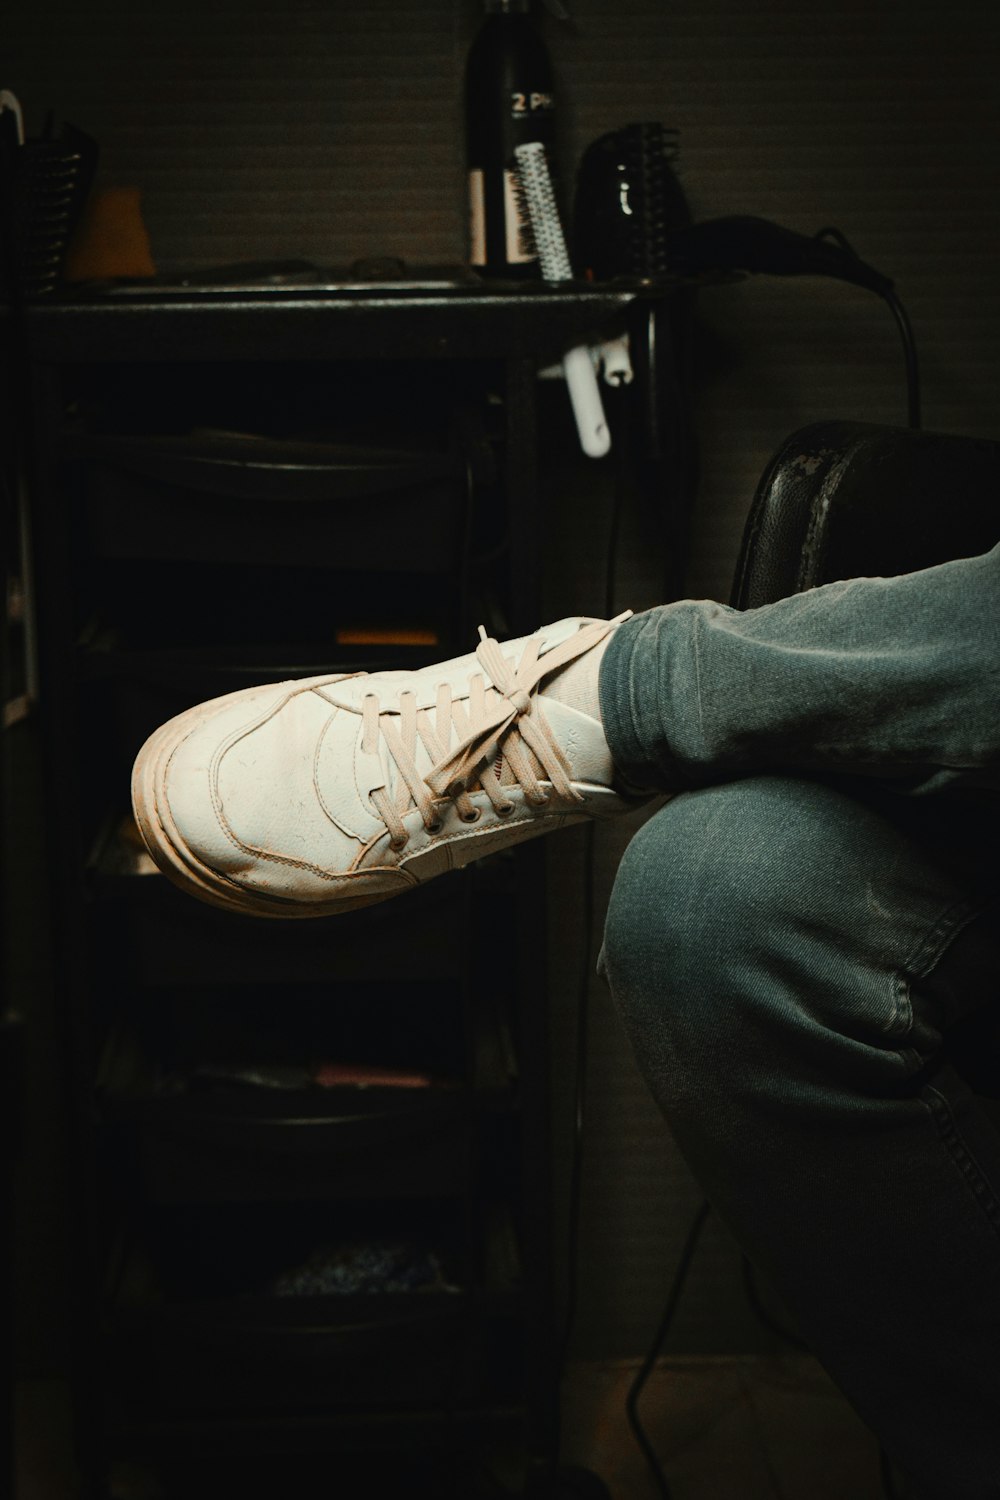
(304, 798)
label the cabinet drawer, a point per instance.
(224, 1356)
(246, 1145)
(131, 694)
(283, 1307)
(300, 516)
(158, 936)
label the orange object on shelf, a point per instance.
(111, 238)
(386, 635)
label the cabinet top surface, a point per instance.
(329, 318)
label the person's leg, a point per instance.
(893, 678)
(787, 959)
(328, 793)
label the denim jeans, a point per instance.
(803, 945)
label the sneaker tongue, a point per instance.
(580, 737)
(498, 766)
(576, 684)
(582, 741)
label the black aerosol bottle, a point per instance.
(508, 102)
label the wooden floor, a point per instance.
(739, 1428)
(736, 1428)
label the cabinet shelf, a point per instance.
(232, 667)
(262, 617)
(249, 466)
(158, 937)
(347, 1430)
(283, 1354)
(358, 1304)
(223, 1146)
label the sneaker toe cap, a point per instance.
(236, 798)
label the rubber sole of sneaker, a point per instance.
(175, 859)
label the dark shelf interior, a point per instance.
(261, 1105)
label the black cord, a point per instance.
(899, 312)
(913, 416)
(583, 1003)
(652, 1354)
(889, 1489)
(579, 1102)
(583, 1014)
(690, 1244)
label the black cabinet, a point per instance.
(312, 1160)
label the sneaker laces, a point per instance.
(502, 710)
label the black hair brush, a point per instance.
(628, 203)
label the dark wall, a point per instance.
(255, 128)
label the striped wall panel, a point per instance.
(262, 129)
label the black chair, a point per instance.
(849, 499)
